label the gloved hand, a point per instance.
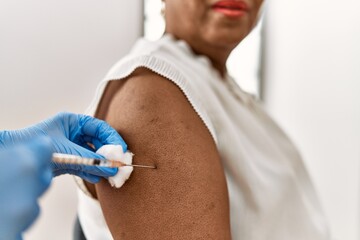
(25, 173)
(70, 134)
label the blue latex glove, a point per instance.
(25, 173)
(70, 134)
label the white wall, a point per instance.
(52, 55)
(312, 88)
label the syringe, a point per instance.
(73, 159)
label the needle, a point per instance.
(140, 166)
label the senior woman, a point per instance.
(224, 168)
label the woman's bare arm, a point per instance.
(186, 196)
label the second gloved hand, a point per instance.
(25, 174)
(70, 134)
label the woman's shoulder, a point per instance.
(151, 64)
(154, 93)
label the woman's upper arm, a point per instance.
(186, 196)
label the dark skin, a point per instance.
(186, 196)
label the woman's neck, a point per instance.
(218, 58)
(217, 55)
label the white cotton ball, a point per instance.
(115, 152)
(124, 172)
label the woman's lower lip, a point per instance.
(234, 13)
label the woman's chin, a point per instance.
(226, 39)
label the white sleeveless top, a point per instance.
(271, 196)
